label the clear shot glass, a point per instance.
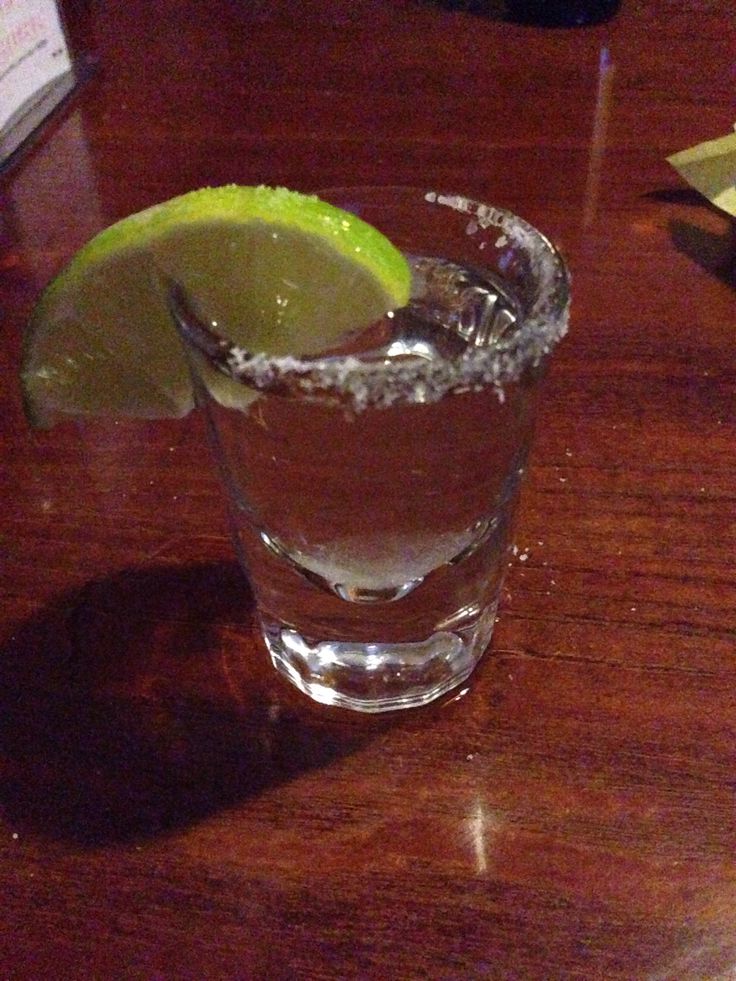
(372, 489)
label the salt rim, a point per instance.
(363, 382)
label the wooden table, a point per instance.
(168, 807)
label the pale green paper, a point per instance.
(711, 169)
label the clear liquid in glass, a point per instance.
(376, 538)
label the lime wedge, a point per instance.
(278, 272)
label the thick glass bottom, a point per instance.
(378, 677)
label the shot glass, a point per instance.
(372, 490)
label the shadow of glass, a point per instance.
(144, 702)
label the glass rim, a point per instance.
(360, 381)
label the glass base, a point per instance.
(378, 677)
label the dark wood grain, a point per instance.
(168, 807)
